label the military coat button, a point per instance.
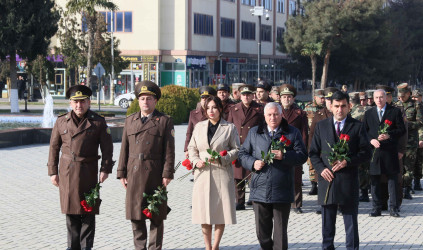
(147, 143)
(135, 167)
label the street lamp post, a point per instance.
(220, 62)
(112, 83)
(259, 11)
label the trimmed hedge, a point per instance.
(176, 101)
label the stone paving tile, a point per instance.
(30, 215)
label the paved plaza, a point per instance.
(30, 216)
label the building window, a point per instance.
(203, 24)
(248, 31)
(249, 2)
(292, 8)
(122, 21)
(279, 34)
(266, 33)
(281, 6)
(230, 1)
(267, 4)
(227, 27)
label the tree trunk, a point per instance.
(91, 30)
(313, 73)
(325, 69)
(43, 94)
(14, 95)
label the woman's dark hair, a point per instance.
(218, 103)
(339, 96)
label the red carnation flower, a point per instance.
(283, 138)
(85, 206)
(287, 143)
(223, 153)
(186, 163)
(147, 213)
(189, 167)
(388, 122)
(344, 137)
(234, 162)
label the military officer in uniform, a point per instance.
(274, 94)
(369, 95)
(78, 134)
(296, 117)
(262, 92)
(146, 162)
(417, 97)
(198, 114)
(236, 96)
(223, 94)
(414, 117)
(311, 108)
(244, 115)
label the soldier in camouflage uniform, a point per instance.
(236, 95)
(414, 117)
(369, 95)
(311, 108)
(357, 112)
(417, 97)
(274, 94)
(363, 99)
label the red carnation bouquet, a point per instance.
(381, 131)
(188, 165)
(214, 155)
(280, 144)
(90, 198)
(153, 201)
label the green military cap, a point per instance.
(388, 90)
(354, 95)
(275, 89)
(416, 93)
(247, 89)
(207, 91)
(328, 92)
(369, 94)
(287, 89)
(319, 93)
(263, 84)
(147, 88)
(362, 95)
(78, 92)
(403, 89)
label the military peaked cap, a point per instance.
(328, 92)
(148, 88)
(78, 92)
(288, 89)
(207, 91)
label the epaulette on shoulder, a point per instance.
(131, 114)
(60, 115)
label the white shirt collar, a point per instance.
(383, 109)
(341, 126)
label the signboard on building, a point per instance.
(141, 58)
(196, 62)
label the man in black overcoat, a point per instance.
(385, 146)
(343, 191)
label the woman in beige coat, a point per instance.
(213, 197)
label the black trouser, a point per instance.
(392, 190)
(349, 213)
(81, 230)
(272, 216)
(140, 234)
(240, 191)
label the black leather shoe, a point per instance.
(298, 210)
(240, 207)
(375, 213)
(313, 190)
(407, 194)
(412, 191)
(394, 212)
(249, 203)
(318, 211)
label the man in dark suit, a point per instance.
(385, 160)
(343, 176)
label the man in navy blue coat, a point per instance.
(344, 190)
(272, 184)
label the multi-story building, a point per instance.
(178, 41)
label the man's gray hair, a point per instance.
(273, 105)
(380, 90)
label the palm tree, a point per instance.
(87, 9)
(312, 50)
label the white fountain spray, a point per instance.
(48, 115)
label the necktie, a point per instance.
(338, 128)
(272, 133)
(143, 119)
(380, 115)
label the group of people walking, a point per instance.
(263, 138)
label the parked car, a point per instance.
(124, 100)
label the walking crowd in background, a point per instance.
(254, 138)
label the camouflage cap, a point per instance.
(388, 90)
(416, 93)
(354, 96)
(319, 93)
(403, 89)
(369, 93)
(287, 89)
(275, 89)
(362, 95)
(237, 85)
(328, 92)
